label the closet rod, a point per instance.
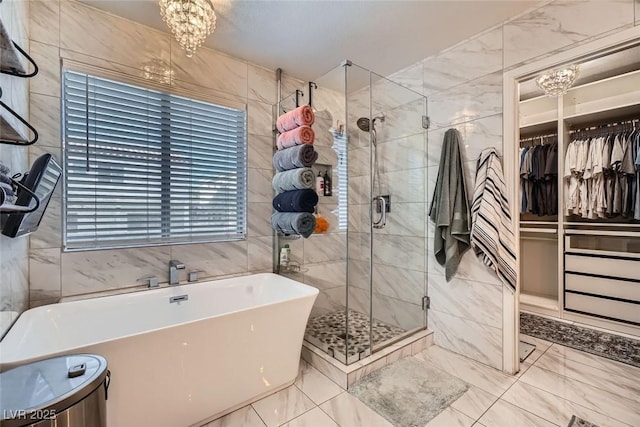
(538, 138)
(603, 233)
(603, 224)
(607, 127)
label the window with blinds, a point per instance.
(144, 167)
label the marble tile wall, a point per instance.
(57, 27)
(464, 89)
(322, 257)
(14, 267)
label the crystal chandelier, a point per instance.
(157, 70)
(557, 82)
(190, 21)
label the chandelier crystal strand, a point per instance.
(558, 82)
(190, 21)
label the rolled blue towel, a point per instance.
(296, 201)
(294, 179)
(299, 156)
(302, 223)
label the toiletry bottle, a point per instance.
(284, 255)
(327, 184)
(320, 185)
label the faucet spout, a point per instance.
(174, 266)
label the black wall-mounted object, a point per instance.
(41, 180)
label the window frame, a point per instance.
(202, 94)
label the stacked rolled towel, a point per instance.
(301, 116)
(300, 135)
(300, 156)
(302, 223)
(294, 179)
(296, 201)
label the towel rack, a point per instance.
(299, 93)
(14, 72)
(24, 122)
(8, 208)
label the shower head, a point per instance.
(364, 124)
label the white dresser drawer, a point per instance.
(600, 286)
(604, 266)
(612, 309)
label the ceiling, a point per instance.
(307, 38)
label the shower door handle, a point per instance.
(383, 213)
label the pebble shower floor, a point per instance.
(328, 333)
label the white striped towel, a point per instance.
(492, 236)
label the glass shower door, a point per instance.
(399, 181)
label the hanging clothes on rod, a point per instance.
(601, 171)
(539, 175)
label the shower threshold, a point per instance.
(412, 342)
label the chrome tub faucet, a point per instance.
(174, 266)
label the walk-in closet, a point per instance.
(579, 170)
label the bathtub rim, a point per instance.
(313, 293)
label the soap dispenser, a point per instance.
(284, 255)
(327, 184)
(320, 184)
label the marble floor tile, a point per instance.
(283, 406)
(348, 411)
(451, 418)
(541, 347)
(313, 418)
(618, 407)
(475, 373)
(627, 386)
(474, 402)
(243, 417)
(592, 360)
(553, 408)
(315, 385)
(504, 414)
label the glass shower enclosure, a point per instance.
(370, 265)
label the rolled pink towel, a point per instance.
(299, 117)
(298, 136)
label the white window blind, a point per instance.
(340, 146)
(144, 167)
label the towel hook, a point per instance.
(312, 86)
(299, 93)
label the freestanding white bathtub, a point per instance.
(177, 363)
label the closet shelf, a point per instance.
(619, 112)
(547, 302)
(539, 230)
(603, 233)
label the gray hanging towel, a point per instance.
(450, 207)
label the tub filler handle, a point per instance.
(179, 298)
(107, 383)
